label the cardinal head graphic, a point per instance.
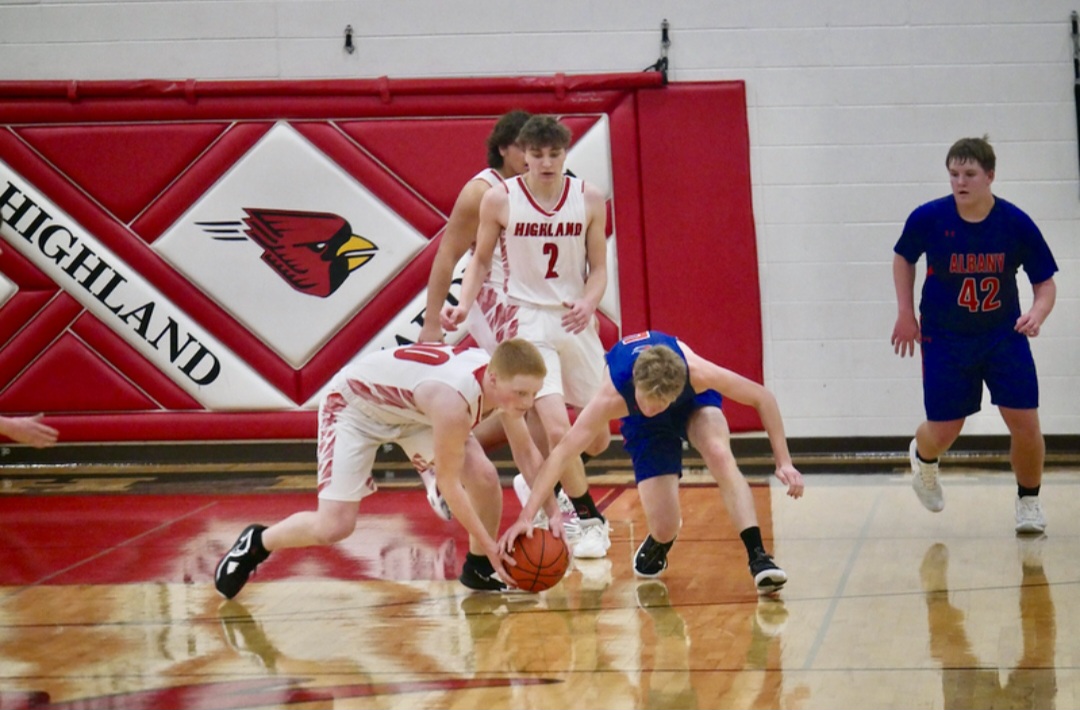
(313, 251)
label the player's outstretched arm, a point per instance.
(29, 430)
(708, 375)
(451, 424)
(605, 406)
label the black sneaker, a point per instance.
(238, 563)
(481, 580)
(768, 578)
(651, 557)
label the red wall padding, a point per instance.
(681, 215)
(700, 251)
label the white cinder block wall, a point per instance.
(852, 106)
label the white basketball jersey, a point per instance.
(545, 250)
(497, 276)
(383, 383)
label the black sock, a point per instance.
(480, 563)
(751, 537)
(260, 552)
(1023, 491)
(924, 460)
(585, 507)
(665, 545)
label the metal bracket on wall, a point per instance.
(348, 40)
(661, 64)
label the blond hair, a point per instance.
(660, 372)
(517, 357)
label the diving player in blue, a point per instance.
(664, 393)
(972, 328)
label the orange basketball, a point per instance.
(541, 561)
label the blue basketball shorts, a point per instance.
(955, 367)
(655, 444)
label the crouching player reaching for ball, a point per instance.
(426, 398)
(664, 393)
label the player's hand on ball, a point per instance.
(542, 560)
(518, 528)
(500, 561)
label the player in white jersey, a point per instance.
(550, 229)
(505, 159)
(427, 398)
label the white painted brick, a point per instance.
(851, 108)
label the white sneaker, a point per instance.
(434, 498)
(571, 526)
(1029, 515)
(925, 481)
(595, 539)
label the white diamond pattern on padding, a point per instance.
(285, 172)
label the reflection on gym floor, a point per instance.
(107, 602)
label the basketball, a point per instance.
(541, 561)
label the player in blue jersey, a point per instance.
(971, 328)
(664, 394)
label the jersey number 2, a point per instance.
(551, 249)
(980, 297)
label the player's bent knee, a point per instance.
(600, 444)
(331, 530)
(479, 470)
(557, 431)
(719, 455)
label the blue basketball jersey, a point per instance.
(621, 359)
(971, 268)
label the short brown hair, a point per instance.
(660, 372)
(976, 149)
(504, 135)
(544, 132)
(517, 357)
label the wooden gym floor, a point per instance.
(107, 601)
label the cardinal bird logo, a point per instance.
(313, 251)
